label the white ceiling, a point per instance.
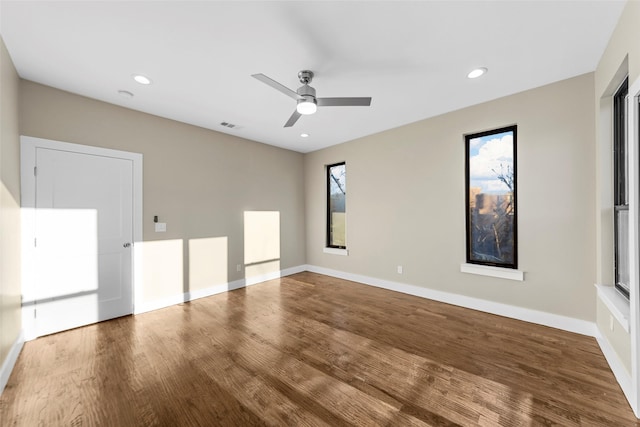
(412, 57)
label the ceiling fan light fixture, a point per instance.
(306, 106)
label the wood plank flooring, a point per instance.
(313, 350)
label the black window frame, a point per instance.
(468, 213)
(620, 173)
(328, 223)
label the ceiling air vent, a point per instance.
(228, 125)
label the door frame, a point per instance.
(28, 147)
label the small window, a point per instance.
(621, 189)
(491, 198)
(336, 205)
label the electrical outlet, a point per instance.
(238, 267)
(611, 323)
(399, 269)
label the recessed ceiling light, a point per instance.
(474, 74)
(143, 80)
(125, 94)
(304, 135)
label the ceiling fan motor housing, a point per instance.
(306, 91)
(307, 98)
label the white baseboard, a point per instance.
(10, 361)
(275, 275)
(619, 371)
(570, 324)
(187, 296)
(213, 290)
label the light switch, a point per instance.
(161, 227)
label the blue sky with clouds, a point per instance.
(488, 154)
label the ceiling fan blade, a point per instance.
(277, 86)
(343, 102)
(293, 119)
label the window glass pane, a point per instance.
(336, 212)
(491, 198)
(622, 253)
(621, 189)
(620, 158)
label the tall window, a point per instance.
(336, 205)
(621, 189)
(491, 198)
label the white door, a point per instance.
(84, 233)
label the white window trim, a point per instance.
(336, 251)
(633, 116)
(616, 303)
(485, 270)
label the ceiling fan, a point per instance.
(306, 96)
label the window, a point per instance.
(336, 205)
(621, 189)
(491, 198)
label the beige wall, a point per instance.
(621, 57)
(198, 181)
(623, 42)
(406, 204)
(10, 285)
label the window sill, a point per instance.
(485, 270)
(336, 251)
(616, 303)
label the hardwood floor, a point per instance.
(313, 350)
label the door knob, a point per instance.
(126, 245)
